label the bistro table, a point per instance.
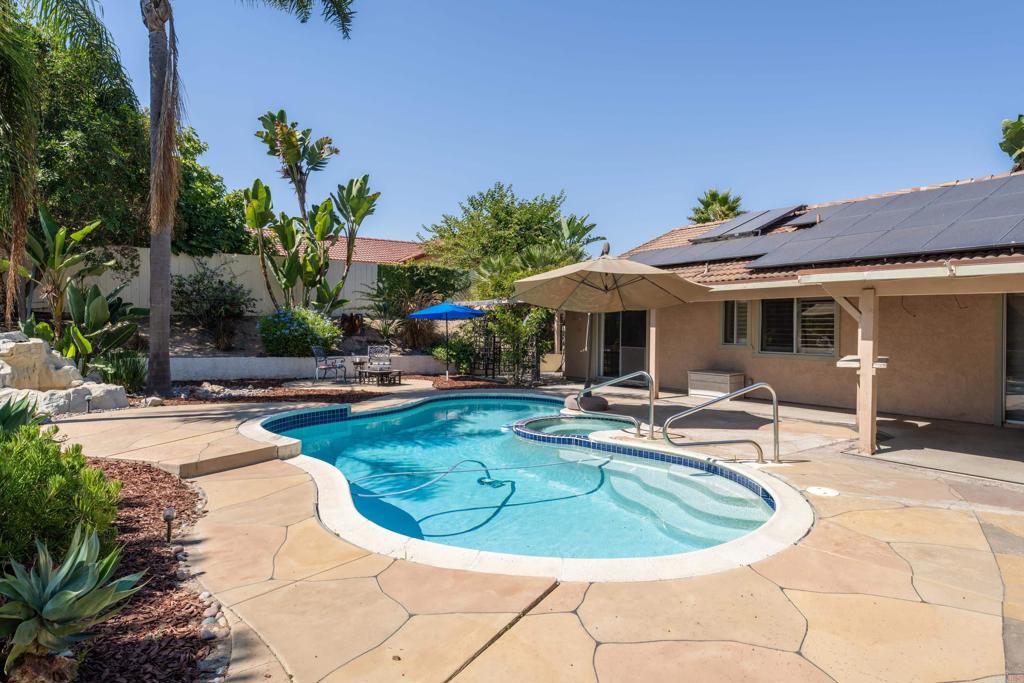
(382, 376)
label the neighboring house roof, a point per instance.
(675, 250)
(376, 250)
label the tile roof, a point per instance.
(736, 270)
(377, 250)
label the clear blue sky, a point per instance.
(633, 108)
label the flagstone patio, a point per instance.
(909, 574)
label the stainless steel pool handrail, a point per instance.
(718, 399)
(618, 380)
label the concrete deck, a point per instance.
(908, 574)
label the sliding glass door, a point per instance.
(1015, 358)
(623, 343)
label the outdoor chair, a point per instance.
(378, 357)
(326, 364)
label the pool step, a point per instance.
(698, 515)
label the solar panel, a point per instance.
(836, 247)
(766, 220)
(789, 253)
(1014, 183)
(813, 216)
(938, 213)
(907, 241)
(728, 226)
(976, 191)
(974, 234)
(980, 215)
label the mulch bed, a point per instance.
(269, 391)
(464, 382)
(156, 637)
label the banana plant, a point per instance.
(100, 324)
(55, 253)
(259, 214)
(53, 606)
(354, 202)
(298, 151)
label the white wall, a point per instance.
(242, 268)
(212, 368)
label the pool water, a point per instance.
(452, 472)
(581, 426)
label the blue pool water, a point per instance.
(509, 495)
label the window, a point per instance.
(798, 326)
(734, 317)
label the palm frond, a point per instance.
(79, 24)
(337, 13)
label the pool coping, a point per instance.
(792, 519)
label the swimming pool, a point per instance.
(452, 471)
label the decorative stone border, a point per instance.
(792, 519)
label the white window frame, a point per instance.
(737, 315)
(797, 350)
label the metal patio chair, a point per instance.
(327, 364)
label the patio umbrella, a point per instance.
(446, 312)
(607, 284)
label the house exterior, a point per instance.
(926, 283)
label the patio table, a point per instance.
(382, 376)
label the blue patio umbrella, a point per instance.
(447, 312)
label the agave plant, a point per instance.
(16, 413)
(52, 607)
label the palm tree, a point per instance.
(165, 111)
(75, 23)
(715, 205)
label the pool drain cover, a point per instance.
(822, 491)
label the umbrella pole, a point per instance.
(447, 349)
(586, 348)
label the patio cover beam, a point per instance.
(867, 388)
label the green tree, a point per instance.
(208, 219)
(1013, 141)
(498, 223)
(92, 145)
(716, 205)
(165, 109)
(73, 23)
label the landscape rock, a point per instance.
(30, 369)
(153, 401)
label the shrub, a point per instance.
(125, 367)
(457, 352)
(53, 606)
(292, 331)
(46, 492)
(15, 414)
(209, 300)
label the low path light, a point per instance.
(169, 515)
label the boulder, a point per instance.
(31, 364)
(29, 368)
(588, 402)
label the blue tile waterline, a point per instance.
(534, 498)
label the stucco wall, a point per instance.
(944, 356)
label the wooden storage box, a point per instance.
(714, 382)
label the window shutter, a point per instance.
(817, 325)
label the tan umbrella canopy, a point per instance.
(605, 285)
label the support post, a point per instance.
(867, 389)
(652, 354)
